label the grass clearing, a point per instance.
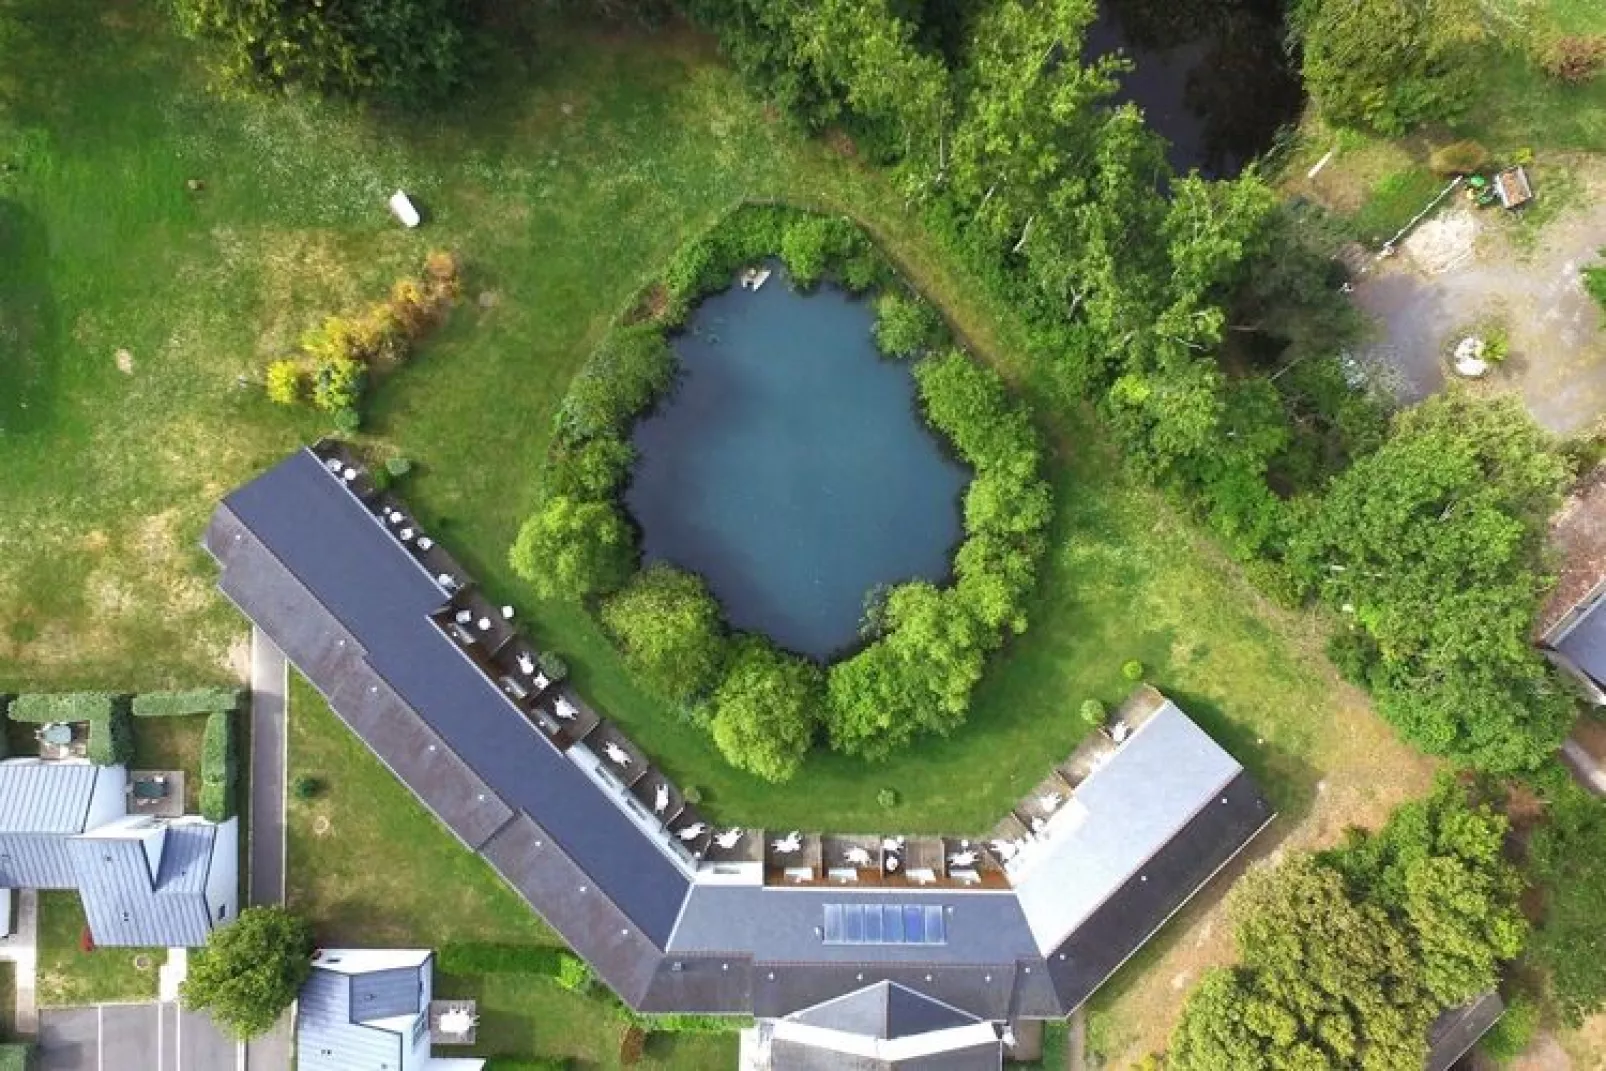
(563, 186)
(70, 976)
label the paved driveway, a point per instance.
(131, 1037)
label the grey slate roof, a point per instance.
(350, 606)
(126, 904)
(45, 797)
(326, 1037)
(884, 1010)
(340, 553)
(382, 994)
(1584, 643)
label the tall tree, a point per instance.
(251, 970)
(669, 628)
(1433, 545)
(765, 711)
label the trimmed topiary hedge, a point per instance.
(218, 768)
(39, 707)
(185, 703)
(111, 739)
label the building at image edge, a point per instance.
(419, 665)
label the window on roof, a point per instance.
(884, 924)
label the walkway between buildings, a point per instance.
(269, 757)
(21, 950)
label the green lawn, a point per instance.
(371, 866)
(68, 975)
(583, 159)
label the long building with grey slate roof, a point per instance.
(144, 881)
(674, 913)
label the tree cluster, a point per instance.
(929, 645)
(1391, 65)
(1347, 957)
(1432, 547)
(402, 51)
(925, 646)
(1567, 862)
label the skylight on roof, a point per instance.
(884, 924)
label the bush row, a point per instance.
(16, 1056)
(62, 706)
(186, 703)
(219, 767)
(927, 646)
(338, 357)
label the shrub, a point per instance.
(905, 326)
(1093, 712)
(574, 974)
(593, 469)
(111, 739)
(970, 405)
(348, 422)
(285, 382)
(1458, 158)
(668, 627)
(218, 768)
(306, 787)
(1132, 670)
(571, 549)
(16, 1056)
(1512, 1032)
(337, 383)
(632, 1045)
(404, 51)
(1574, 58)
(692, 795)
(398, 466)
(186, 703)
(553, 665)
(632, 367)
(62, 706)
(810, 244)
(1595, 285)
(887, 798)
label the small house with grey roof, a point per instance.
(367, 1009)
(144, 881)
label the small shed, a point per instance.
(1513, 188)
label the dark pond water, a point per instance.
(1212, 76)
(790, 468)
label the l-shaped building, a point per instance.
(676, 915)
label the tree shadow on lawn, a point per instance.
(1288, 781)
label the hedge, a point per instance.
(111, 738)
(62, 706)
(16, 1056)
(185, 703)
(218, 768)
